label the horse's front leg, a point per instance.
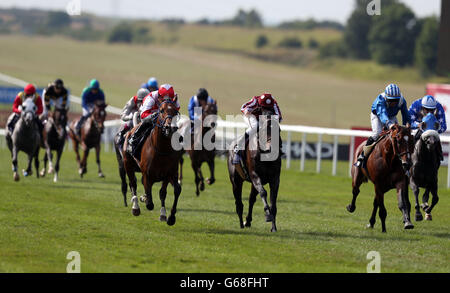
(48, 152)
(44, 168)
(425, 198)
(58, 159)
(28, 171)
(404, 205)
(83, 164)
(211, 179)
(14, 163)
(357, 180)
(237, 182)
(77, 152)
(256, 181)
(274, 185)
(415, 189)
(180, 177)
(162, 197)
(36, 161)
(177, 191)
(434, 201)
(251, 202)
(97, 155)
(147, 198)
(196, 168)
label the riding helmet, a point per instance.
(29, 89)
(166, 90)
(429, 102)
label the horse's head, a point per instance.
(209, 115)
(403, 145)
(59, 117)
(167, 117)
(28, 111)
(99, 115)
(430, 139)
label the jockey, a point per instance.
(57, 93)
(421, 107)
(202, 98)
(384, 114)
(151, 85)
(90, 95)
(129, 110)
(28, 92)
(149, 111)
(251, 111)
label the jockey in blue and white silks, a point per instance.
(421, 107)
(197, 100)
(384, 114)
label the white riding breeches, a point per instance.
(377, 126)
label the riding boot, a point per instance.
(80, 124)
(137, 136)
(362, 157)
(12, 122)
(240, 143)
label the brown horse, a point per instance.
(260, 172)
(53, 139)
(158, 162)
(198, 157)
(387, 166)
(91, 133)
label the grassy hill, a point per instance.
(306, 96)
(43, 221)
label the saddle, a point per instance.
(367, 150)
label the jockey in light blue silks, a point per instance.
(384, 114)
(89, 97)
(422, 107)
(202, 98)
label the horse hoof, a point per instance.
(247, 224)
(42, 173)
(197, 193)
(269, 218)
(171, 221)
(273, 230)
(136, 212)
(202, 186)
(419, 217)
(428, 217)
(26, 173)
(101, 175)
(210, 181)
(163, 218)
(351, 208)
(16, 177)
(369, 226)
(150, 206)
(408, 225)
(50, 171)
(143, 198)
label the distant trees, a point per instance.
(290, 42)
(57, 20)
(126, 33)
(427, 46)
(310, 24)
(392, 36)
(261, 41)
(250, 19)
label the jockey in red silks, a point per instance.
(251, 111)
(149, 112)
(28, 92)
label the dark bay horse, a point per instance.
(387, 167)
(199, 156)
(260, 172)
(26, 138)
(426, 160)
(53, 139)
(158, 162)
(91, 133)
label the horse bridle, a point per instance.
(400, 155)
(161, 123)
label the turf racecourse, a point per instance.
(40, 222)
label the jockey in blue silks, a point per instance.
(422, 107)
(202, 98)
(384, 114)
(89, 97)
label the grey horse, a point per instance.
(426, 160)
(26, 138)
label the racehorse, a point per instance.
(26, 138)
(426, 160)
(53, 139)
(387, 166)
(91, 133)
(158, 162)
(203, 154)
(119, 156)
(260, 172)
